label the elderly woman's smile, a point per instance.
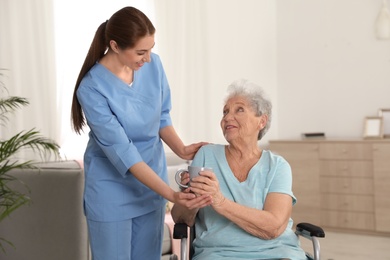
(239, 119)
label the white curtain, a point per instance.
(43, 44)
(27, 54)
(182, 39)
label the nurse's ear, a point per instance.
(114, 46)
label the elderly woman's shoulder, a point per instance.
(212, 147)
(272, 153)
(273, 156)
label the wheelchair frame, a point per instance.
(305, 230)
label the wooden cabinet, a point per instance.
(346, 182)
(346, 175)
(303, 160)
(381, 158)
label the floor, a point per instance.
(341, 246)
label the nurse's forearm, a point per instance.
(171, 138)
(147, 176)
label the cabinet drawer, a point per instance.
(382, 151)
(348, 220)
(345, 151)
(346, 168)
(346, 185)
(382, 184)
(345, 202)
(296, 151)
(381, 154)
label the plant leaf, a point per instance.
(9, 105)
(11, 199)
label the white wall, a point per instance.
(242, 44)
(332, 72)
(319, 61)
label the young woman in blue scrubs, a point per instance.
(122, 93)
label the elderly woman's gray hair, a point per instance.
(256, 97)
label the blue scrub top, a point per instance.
(124, 122)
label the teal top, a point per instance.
(218, 237)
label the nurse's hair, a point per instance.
(126, 27)
(256, 97)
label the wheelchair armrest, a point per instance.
(180, 231)
(309, 230)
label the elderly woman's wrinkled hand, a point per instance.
(207, 184)
(185, 179)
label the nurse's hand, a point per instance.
(191, 201)
(189, 151)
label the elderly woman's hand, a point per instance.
(207, 183)
(185, 179)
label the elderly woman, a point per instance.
(250, 188)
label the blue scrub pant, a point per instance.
(134, 239)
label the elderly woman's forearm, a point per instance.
(256, 222)
(181, 214)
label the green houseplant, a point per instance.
(10, 199)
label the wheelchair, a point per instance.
(304, 230)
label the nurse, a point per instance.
(123, 95)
